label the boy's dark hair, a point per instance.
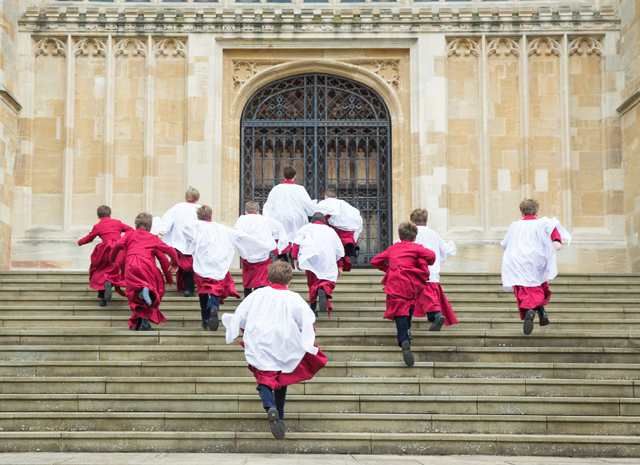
(104, 211)
(289, 172)
(407, 231)
(529, 207)
(144, 221)
(204, 213)
(280, 272)
(192, 195)
(419, 216)
(317, 216)
(252, 207)
(331, 193)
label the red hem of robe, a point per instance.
(531, 297)
(306, 370)
(185, 265)
(102, 269)
(397, 306)
(315, 285)
(433, 299)
(255, 274)
(224, 288)
(139, 309)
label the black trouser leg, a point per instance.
(204, 298)
(266, 395)
(402, 326)
(247, 291)
(189, 285)
(351, 250)
(280, 398)
(101, 294)
(285, 257)
(410, 317)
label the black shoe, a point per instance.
(144, 295)
(189, 294)
(144, 325)
(103, 302)
(107, 291)
(406, 353)
(322, 300)
(214, 322)
(315, 312)
(437, 324)
(277, 427)
(205, 324)
(528, 322)
(542, 317)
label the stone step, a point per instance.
(356, 369)
(323, 443)
(335, 353)
(333, 336)
(321, 423)
(326, 386)
(193, 322)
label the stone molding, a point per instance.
(629, 103)
(593, 46)
(80, 47)
(125, 19)
(9, 100)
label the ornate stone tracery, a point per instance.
(50, 45)
(388, 70)
(163, 48)
(121, 48)
(544, 45)
(82, 47)
(503, 46)
(464, 47)
(587, 45)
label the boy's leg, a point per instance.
(409, 328)
(107, 291)
(542, 316)
(269, 404)
(213, 305)
(204, 311)
(322, 299)
(402, 325)
(438, 320)
(529, 316)
(247, 291)
(313, 307)
(280, 396)
(103, 301)
(189, 285)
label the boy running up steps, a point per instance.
(290, 205)
(406, 267)
(432, 301)
(278, 339)
(213, 246)
(103, 275)
(266, 230)
(529, 261)
(144, 283)
(318, 251)
(172, 227)
(345, 220)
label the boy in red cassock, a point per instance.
(145, 287)
(103, 275)
(172, 226)
(529, 261)
(406, 267)
(318, 251)
(278, 340)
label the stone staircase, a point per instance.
(74, 378)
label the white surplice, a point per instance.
(343, 215)
(174, 221)
(265, 230)
(431, 240)
(156, 225)
(212, 246)
(320, 250)
(529, 256)
(290, 205)
(278, 329)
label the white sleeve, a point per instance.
(302, 232)
(278, 232)
(233, 322)
(310, 205)
(305, 319)
(268, 207)
(339, 248)
(447, 249)
(245, 244)
(505, 241)
(190, 232)
(168, 219)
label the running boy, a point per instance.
(263, 229)
(212, 247)
(318, 251)
(432, 301)
(172, 226)
(144, 284)
(279, 341)
(406, 267)
(102, 273)
(529, 261)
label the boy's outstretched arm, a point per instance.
(380, 261)
(89, 237)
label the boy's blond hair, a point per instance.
(192, 195)
(280, 272)
(144, 221)
(529, 207)
(419, 216)
(407, 231)
(204, 213)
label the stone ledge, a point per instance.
(629, 103)
(8, 98)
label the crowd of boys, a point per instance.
(277, 325)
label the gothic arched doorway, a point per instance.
(336, 132)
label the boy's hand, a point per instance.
(557, 245)
(295, 264)
(162, 233)
(339, 273)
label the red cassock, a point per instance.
(185, 265)
(141, 251)
(316, 284)
(432, 299)
(101, 269)
(223, 288)
(406, 267)
(255, 275)
(306, 369)
(346, 237)
(538, 296)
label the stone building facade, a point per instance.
(127, 104)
